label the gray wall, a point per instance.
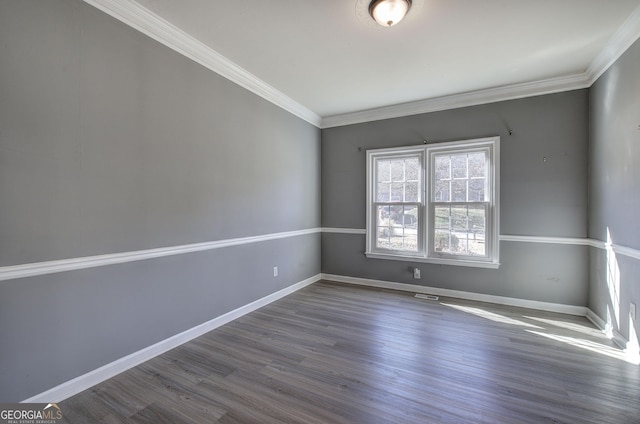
(111, 142)
(614, 187)
(538, 198)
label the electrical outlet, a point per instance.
(416, 273)
(275, 271)
(632, 311)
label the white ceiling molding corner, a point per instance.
(473, 98)
(138, 17)
(626, 35)
(145, 21)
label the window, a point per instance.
(397, 202)
(436, 203)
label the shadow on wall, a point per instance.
(614, 320)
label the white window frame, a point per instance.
(426, 219)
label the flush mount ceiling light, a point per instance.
(389, 12)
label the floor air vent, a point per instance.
(426, 296)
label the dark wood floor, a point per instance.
(334, 353)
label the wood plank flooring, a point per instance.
(335, 353)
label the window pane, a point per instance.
(459, 190)
(411, 242)
(411, 192)
(443, 168)
(397, 190)
(477, 166)
(398, 180)
(442, 193)
(459, 218)
(410, 217)
(397, 170)
(382, 171)
(383, 192)
(477, 220)
(459, 166)
(441, 241)
(466, 233)
(382, 241)
(410, 221)
(397, 228)
(460, 178)
(476, 190)
(383, 230)
(382, 218)
(442, 218)
(412, 169)
(471, 244)
(476, 235)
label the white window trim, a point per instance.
(400, 153)
(425, 255)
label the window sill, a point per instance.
(439, 261)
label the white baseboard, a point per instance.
(619, 339)
(501, 300)
(599, 322)
(631, 350)
(83, 382)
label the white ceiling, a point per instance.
(330, 57)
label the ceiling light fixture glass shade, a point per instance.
(389, 12)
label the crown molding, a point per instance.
(472, 98)
(626, 35)
(619, 43)
(150, 24)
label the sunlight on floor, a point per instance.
(490, 315)
(588, 345)
(551, 329)
(584, 329)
